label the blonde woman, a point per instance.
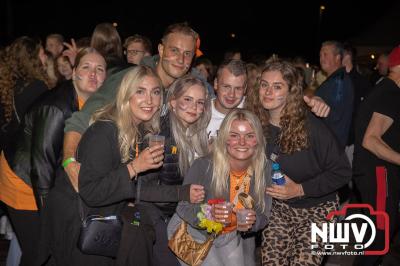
(238, 164)
(112, 156)
(184, 128)
(189, 107)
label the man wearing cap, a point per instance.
(377, 154)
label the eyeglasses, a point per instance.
(133, 52)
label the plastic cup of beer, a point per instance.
(156, 140)
(241, 219)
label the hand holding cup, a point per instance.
(245, 219)
(156, 140)
(222, 212)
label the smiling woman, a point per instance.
(107, 170)
(237, 166)
(145, 100)
(38, 148)
(297, 141)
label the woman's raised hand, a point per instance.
(71, 52)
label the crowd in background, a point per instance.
(77, 117)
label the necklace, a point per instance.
(238, 178)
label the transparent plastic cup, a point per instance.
(155, 140)
(241, 220)
(227, 207)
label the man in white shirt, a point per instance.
(230, 86)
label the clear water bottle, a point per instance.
(278, 177)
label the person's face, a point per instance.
(242, 141)
(54, 47)
(135, 52)
(382, 65)
(203, 71)
(190, 105)
(230, 89)
(273, 91)
(64, 68)
(176, 54)
(90, 73)
(146, 100)
(328, 59)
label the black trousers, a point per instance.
(366, 186)
(26, 225)
(163, 256)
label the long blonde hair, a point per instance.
(193, 139)
(120, 112)
(221, 168)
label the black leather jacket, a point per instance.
(25, 95)
(38, 154)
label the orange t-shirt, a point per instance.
(81, 102)
(14, 191)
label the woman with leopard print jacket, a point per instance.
(310, 157)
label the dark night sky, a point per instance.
(284, 27)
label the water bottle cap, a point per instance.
(275, 166)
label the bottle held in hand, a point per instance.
(278, 177)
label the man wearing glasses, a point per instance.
(137, 47)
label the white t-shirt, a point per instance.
(216, 119)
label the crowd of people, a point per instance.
(76, 126)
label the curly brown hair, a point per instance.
(294, 134)
(19, 62)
